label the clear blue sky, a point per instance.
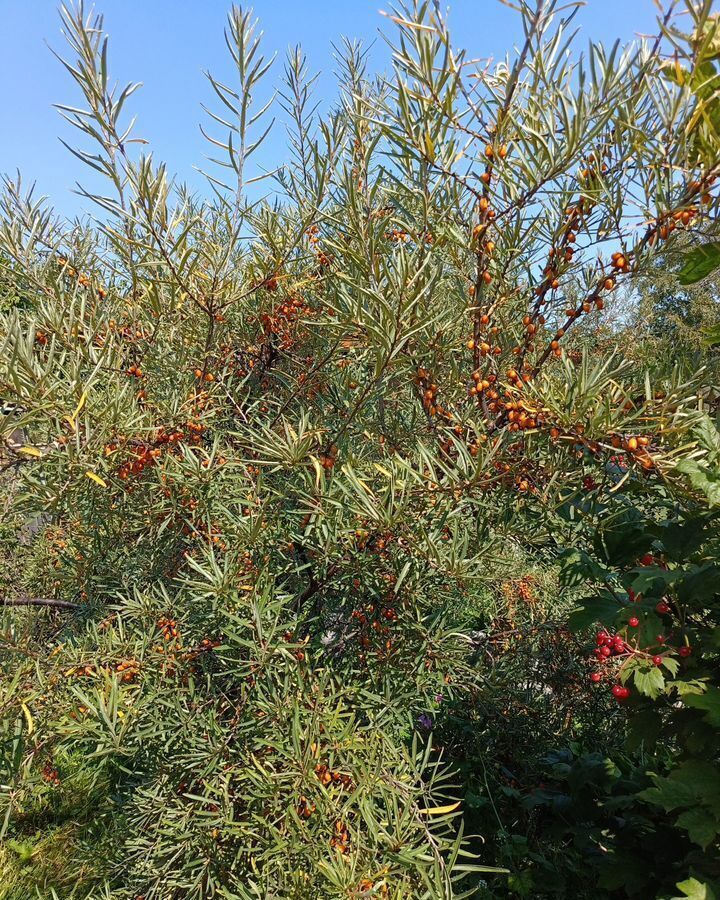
(166, 44)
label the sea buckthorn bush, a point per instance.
(358, 542)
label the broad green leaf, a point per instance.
(702, 479)
(649, 680)
(699, 263)
(577, 566)
(601, 609)
(693, 889)
(701, 825)
(709, 702)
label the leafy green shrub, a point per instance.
(293, 472)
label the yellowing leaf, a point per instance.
(81, 402)
(28, 718)
(30, 451)
(96, 478)
(318, 470)
(429, 147)
(440, 810)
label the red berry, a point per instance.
(685, 651)
(658, 660)
(662, 608)
(602, 637)
(606, 651)
(595, 677)
(633, 621)
(620, 692)
(646, 560)
(661, 639)
(631, 595)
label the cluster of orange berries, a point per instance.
(172, 648)
(196, 429)
(340, 841)
(668, 223)
(81, 671)
(220, 461)
(491, 152)
(518, 413)
(168, 628)
(305, 808)
(50, 774)
(429, 391)
(522, 589)
(620, 263)
(329, 457)
(148, 456)
(367, 885)
(483, 384)
(382, 212)
(484, 347)
(135, 372)
(326, 777)
(204, 532)
(128, 332)
(637, 447)
(474, 445)
(206, 645)
(703, 188)
(375, 621)
(591, 173)
(314, 239)
(82, 279)
(299, 654)
(173, 651)
(521, 480)
(128, 669)
(560, 257)
(285, 319)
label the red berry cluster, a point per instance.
(610, 646)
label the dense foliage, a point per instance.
(361, 530)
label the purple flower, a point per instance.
(425, 721)
(439, 698)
